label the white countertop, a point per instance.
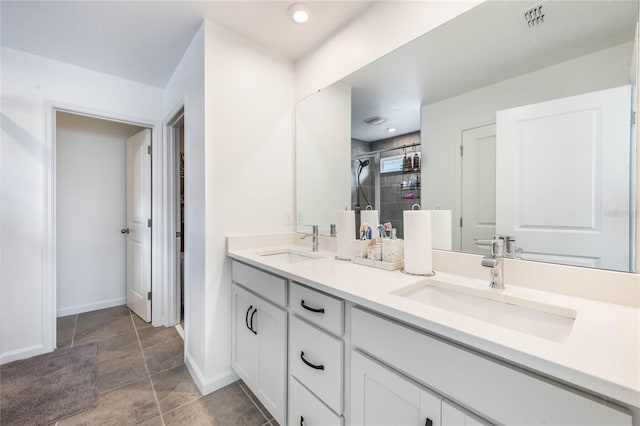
(601, 354)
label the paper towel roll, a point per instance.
(346, 233)
(417, 242)
(441, 229)
(370, 217)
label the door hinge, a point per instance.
(149, 296)
(149, 223)
(149, 149)
(460, 222)
(633, 117)
(461, 150)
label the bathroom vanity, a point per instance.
(326, 342)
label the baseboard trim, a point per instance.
(213, 384)
(79, 309)
(180, 330)
(22, 353)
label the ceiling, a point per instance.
(145, 40)
(488, 44)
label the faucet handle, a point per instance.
(509, 246)
(496, 245)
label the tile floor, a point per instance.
(142, 379)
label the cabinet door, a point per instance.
(453, 416)
(381, 397)
(270, 325)
(244, 349)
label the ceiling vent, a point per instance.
(534, 16)
(375, 120)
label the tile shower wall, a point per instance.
(391, 202)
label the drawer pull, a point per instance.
(317, 367)
(301, 421)
(251, 325)
(309, 308)
(246, 317)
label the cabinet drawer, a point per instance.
(269, 286)
(319, 308)
(492, 388)
(305, 409)
(315, 358)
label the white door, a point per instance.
(381, 397)
(563, 179)
(138, 224)
(478, 187)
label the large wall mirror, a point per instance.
(514, 118)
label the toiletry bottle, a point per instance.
(406, 163)
(416, 161)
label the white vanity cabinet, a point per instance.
(381, 397)
(316, 358)
(453, 416)
(327, 312)
(259, 342)
(308, 410)
(496, 390)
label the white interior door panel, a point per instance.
(138, 217)
(562, 179)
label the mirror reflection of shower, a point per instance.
(361, 166)
(380, 175)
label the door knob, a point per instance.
(124, 231)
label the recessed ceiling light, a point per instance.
(299, 12)
(391, 129)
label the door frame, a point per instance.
(171, 299)
(457, 212)
(49, 259)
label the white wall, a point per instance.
(28, 82)
(249, 100)
(381, 28)
(323, 156)
(187, 86)
(442, 121)
(239, 176)
(90, 211)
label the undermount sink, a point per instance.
(290, 256)
(538, 319)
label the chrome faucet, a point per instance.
(494, 261)
(314, 234)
